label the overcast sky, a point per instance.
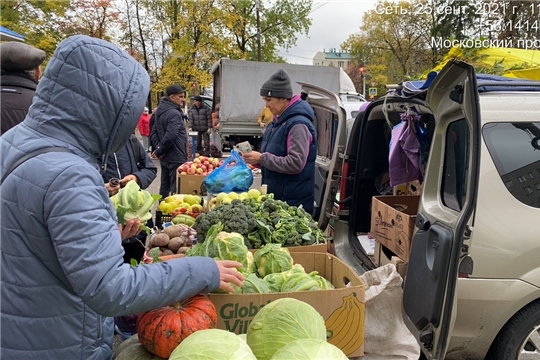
(332, 23)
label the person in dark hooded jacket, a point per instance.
(289, 146)
(169, 136)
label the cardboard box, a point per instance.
(409, 188)
(401, 266)
(392, 222)
(384, 256)
(189, 184)
(235, 311)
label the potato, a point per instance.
(183, 250)
(176, 243)
(160, 239)
(175, 230)
(166, 251)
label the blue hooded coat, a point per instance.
(63, 276)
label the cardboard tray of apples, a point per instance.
(201, 165)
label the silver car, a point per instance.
(472, 287)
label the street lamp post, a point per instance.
(363, 76)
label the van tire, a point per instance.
(520, 327)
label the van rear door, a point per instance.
(331, 126)
(445, 211)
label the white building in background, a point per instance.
(332, 57)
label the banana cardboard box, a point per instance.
(342, 308)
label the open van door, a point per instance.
(330, 123)
(444, 220)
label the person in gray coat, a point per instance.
(200, 120)
(63, 275)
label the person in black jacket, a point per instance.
(169, 136)
(20, 64)
(200, 120)
(130, 163)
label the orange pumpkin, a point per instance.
(161, 330)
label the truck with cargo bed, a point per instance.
(236, 86)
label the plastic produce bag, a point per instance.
(215, 143)
(404, 160)
(233, 175)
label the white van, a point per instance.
(472, 287)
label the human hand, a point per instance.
(228, 274)
(129, 230)
(154, 156)
(128, 178)
(113, 190)
(252, 157)
(209, 130)
(261, 124)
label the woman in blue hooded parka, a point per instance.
(63, 274)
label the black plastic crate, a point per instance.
(161, 218)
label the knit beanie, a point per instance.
(278, 86)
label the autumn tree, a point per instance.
(513, 21)
(261, 27)
(394, 38)
(37, 20)
(95, 18)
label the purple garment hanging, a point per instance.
(404, 159)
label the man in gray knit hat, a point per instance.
(20, 64)
(289, 146)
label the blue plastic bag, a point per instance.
(233, 175)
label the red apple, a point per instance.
(183, 173)
(191, 171)
(204, 168)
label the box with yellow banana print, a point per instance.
(342, 308)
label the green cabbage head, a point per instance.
(301, 281)
(275, 281)
(254, 285)
(212, 344)
(272, 258)
(222, 245)
(281, 322)
(309, 349)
